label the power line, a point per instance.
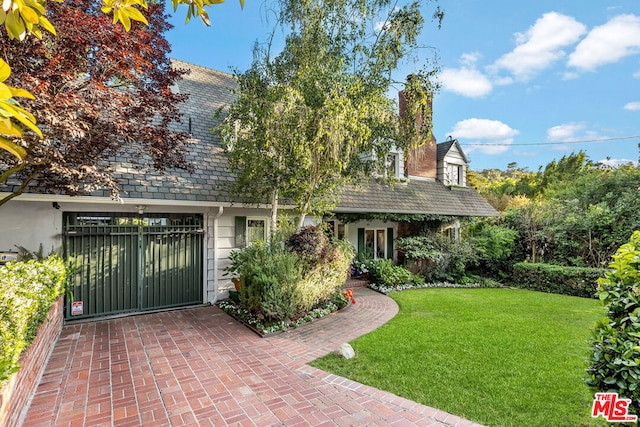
(554, 143)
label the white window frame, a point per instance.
(249, 242)
(393, 160)
(449, 174)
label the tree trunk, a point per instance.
(273, 224)
(303, 214)
(23, 185)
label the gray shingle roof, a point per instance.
(209, 90)
(443, 148)
(415, 196)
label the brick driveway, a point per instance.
(200, 367)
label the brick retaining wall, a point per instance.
(17, 393)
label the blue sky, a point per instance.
(522, 81)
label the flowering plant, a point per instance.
(349, 295)
(363, 268)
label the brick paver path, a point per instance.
(200, 367)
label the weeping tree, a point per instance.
(316, 116)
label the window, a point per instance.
(392, 165)
(374, 242)
(248, 230)
(256, 230)
(335, 229)
(455, 174)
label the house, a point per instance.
(167, 241)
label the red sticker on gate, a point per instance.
(76, 308)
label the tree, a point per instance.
(337, 67)
(24, 17)
(98, 91)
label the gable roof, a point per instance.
(443, 149)
(209, 90)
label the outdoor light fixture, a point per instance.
(141, 209)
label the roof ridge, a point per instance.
(191, 64)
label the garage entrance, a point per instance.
(127, 262)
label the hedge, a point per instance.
(557, 279)
(27, 291)
(615, 353)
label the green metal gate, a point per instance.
(127, 262)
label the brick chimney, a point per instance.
(421, 161)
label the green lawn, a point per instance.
(499, 357)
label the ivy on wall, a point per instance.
(347, 218)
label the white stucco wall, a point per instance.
(29, 224)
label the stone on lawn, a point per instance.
(345, 350)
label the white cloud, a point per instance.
(567, 132)
(636, 75)
(608, 43)
(480, 134)
(570, 132)
(632, 106)
(470, 59)
(541, 45)
(614, 163)
(465, 81)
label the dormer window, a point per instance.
(452, 164)
(392, 165)
(455, 175)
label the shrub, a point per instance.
(615, 362)
(27, 290)
(436, 257)
(269, 274)
(557, 279)
(277, 284)
(492, 242)
(325, 277)
(309, 243)
(384, 273)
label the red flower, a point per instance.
(349, 295)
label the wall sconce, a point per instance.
(141, 209)
(55, 205)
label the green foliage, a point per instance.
(615, 361)
(268, 274)
(347, 218)
(309, 243)
(384, 273)
(324, 278)
(557, 279)
(493, 245)
(302, 118)
(278, 283)
(437, 257)
(572, 212)
(492, 242)
(27, 290)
